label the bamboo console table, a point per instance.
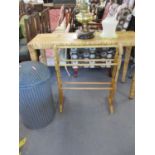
(58, 41)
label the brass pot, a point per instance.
(84, 17)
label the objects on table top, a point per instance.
(109, 27)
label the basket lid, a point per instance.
(32, 73)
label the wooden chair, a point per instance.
(32, 27)
(36, 24)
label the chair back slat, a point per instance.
(22, 9)
(28, 29)
(32, 26)
(45, 21)
(36, 23)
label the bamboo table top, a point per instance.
(69, 40)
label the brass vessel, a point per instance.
(84, 17)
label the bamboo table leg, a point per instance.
(111, 98)
(126, 62)
(112, 92)
(115, 73)
(132, 87)
(33, 53)
(59, 81)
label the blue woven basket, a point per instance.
(36, 103)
